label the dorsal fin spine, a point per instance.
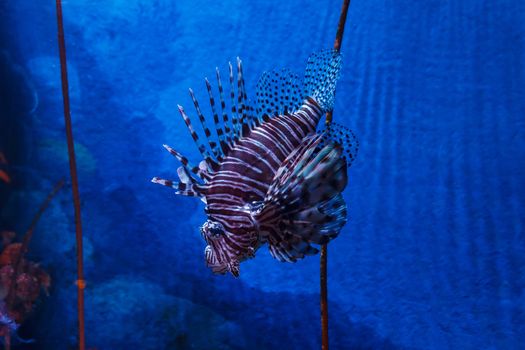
(207, 133)
(234, 117)
(225, 120)
(218, 129)
(185, 163)
(202, 149)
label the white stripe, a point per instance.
(241, 163)
(293, 136)
(238, 186)
(228, 173)
(281, 135)
(270, 137)
(260, 157)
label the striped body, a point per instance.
(270, 178)
(246, 173)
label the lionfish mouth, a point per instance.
(219, 267)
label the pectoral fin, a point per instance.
(304, 205)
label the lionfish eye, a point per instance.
(216, 231)
(212, 229)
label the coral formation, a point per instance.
(21, 282)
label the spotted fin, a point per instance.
(303, 205)
(281, 91)
(278, 92)
(345, 137)
(321, 76)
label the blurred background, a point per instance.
(433, 255)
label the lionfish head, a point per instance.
(222, 252)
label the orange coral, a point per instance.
(28, 278)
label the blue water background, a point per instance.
(433, 255)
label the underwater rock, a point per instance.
(45, 71)
(56, 149)
(132, 313)
(48, 120)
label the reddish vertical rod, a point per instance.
(74, 179)
(324, 248)
(25, 242)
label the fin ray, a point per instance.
(192, 190)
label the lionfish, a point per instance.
(269, 176)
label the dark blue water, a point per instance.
(433, 256)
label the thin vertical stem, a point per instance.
(324, 248)
(341, 25)
(29, 233)
(7, 341)
(324, 298)
(74, 178)
(339, 40)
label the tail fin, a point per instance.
(321, 76)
